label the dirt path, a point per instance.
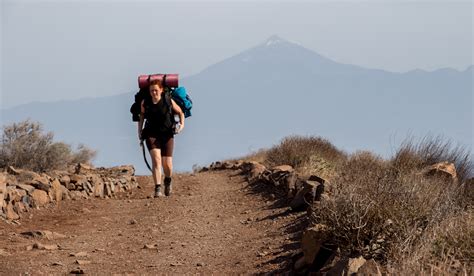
(214, 222)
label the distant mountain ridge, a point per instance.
(275, 89)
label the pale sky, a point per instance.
(57, 50)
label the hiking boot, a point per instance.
(158, 191)
(168, 186)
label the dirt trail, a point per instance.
(213, 222)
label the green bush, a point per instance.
(25, 145)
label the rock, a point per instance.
(11, 170)
(4, 253)
(122, 170)
(41, 246)
(282, 168)
(83, 262)
(442, 169)
(77, 270)
(27, 188)
(10, 213)
(354, 264)
(56, 191)
(370, 267)
(13, 194)
(65, 180)
(39, 197)
(99, 189)
(150, 246)
(78, 179)
(43, 234)
(82, 168)
(40, 183)
(3, 191)
(79, 254)
(65, 193)
(255, 171)
(305, 196)
(132, 222)
(300, 264)
(312, 240)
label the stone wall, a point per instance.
(21, 190)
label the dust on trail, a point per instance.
(213, 222)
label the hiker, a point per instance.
(159, 132)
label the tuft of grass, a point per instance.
(306, 154)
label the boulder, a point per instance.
(311, 191)
(82, 168)
(354, 264)
(312, 240)
(10, 212)
(442, 169)
(122, 170)
(13, 194)
(40, 183)
(78, 179)
(282, 168)
(56, 192)
(65, 179)
(39, 197)
(99, 189)
(3, 190)
(28, 188)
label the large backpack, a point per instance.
(170, 81)
(182, 99)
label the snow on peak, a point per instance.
(273, 40)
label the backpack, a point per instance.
(178, 94)
(182, 99)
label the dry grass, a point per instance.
(308, 155)
(25, 145)
(387, 210)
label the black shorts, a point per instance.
(163, 142)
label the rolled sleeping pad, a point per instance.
(170, 80)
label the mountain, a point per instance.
(275, 89)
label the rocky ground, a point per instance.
(214, 222)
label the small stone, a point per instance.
(82, 262)
(150, 246)
(57, 264)
(79, 254)
(77, 271)
(132, 222)
(200, 264)
(4, 253)
(40, 246)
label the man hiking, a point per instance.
(159, 110)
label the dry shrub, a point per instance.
(24, 145)
(382, 214)
(446, 248)
(298, 151)
(431, 150)
(259, 156)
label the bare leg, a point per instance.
(167, 165)
(156, 170)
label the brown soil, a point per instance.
(213, 222)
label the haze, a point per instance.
(68, 50)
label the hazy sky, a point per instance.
(55, 50)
